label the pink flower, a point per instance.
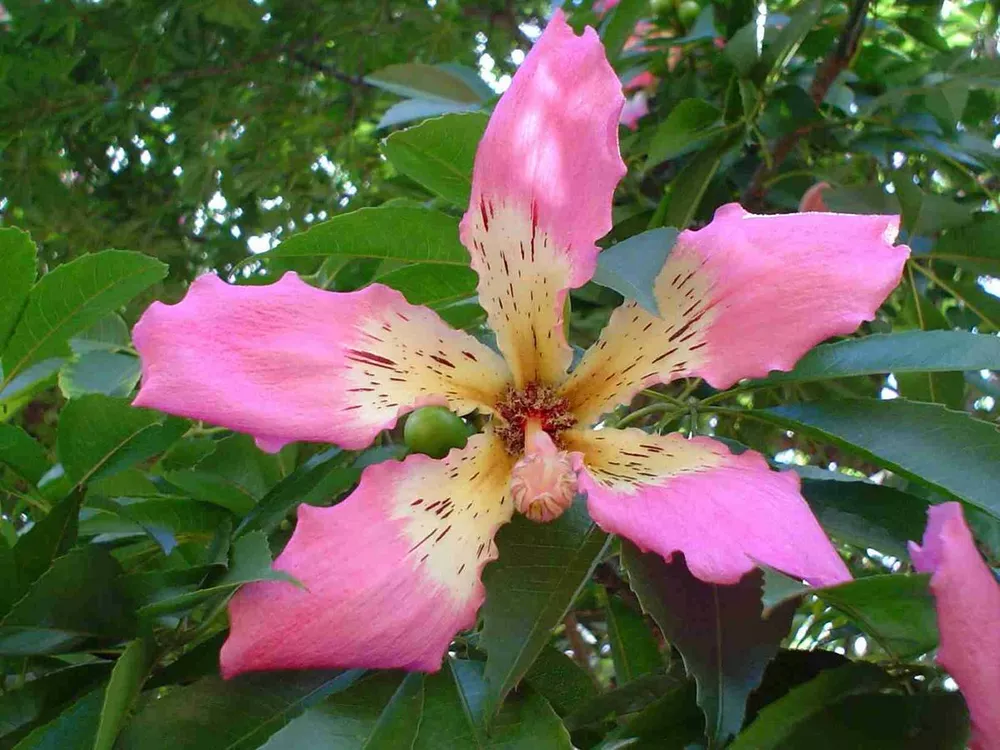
(393, 572)
(968, 607)
(636, 107)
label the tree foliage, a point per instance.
(193, 136)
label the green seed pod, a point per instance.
(434, 430)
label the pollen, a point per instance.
(534, 403)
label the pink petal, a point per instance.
(635, 109)
(544, 176)
(726, 513)
(812, 199)
(968, 607)
(742, 297)
(289, 362)
(390, 574)
(644, 80)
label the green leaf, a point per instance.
(627, 699)
(672, 722)
(562, 682)
(409, 110)
(388, 233)
(778, 53)
(99, 436)
(897, 611)
(320, 479)
(40, 699)
(773, 725)
(432, 284)
(72, 298)
(109, 334)
(343, 722)
(17, 258)
(435, 82)
(123, 690)
(49, 538)
(251, 561)
(927, 213)
(619, 25)
(423, 712)
(167, 520)
(80, 597)
(237, 714)
(452, 707)
(20, 453)
(910, 351)
(689, 186)
(688, 125)
(73, 729)
(883, 721)
(439, 154)
(22, 389)
(973, 246)
(634, 650)
(631, 266)
(926, 443)
(399, 722)
(866, 515)
(107, 373)
(946, 388)
(720, 631)
(540, 570)
(235, 475)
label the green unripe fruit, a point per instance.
(434, 430)
(687, 12)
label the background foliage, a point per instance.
(195, 135)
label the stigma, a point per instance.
(543, 482)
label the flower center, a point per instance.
(543, 482)
(537, 403)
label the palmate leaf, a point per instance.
(538, 574)
(945, 450)
(722, 632)
(72, 298)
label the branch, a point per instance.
(835, 63)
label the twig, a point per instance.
(836, 62)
